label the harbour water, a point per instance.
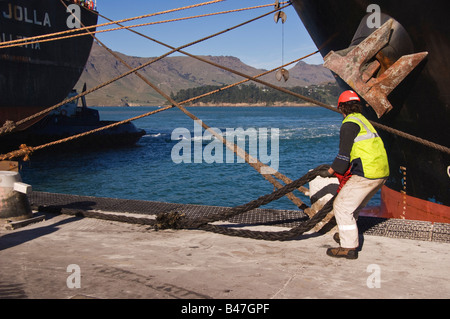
(306, 137)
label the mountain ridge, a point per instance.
(172, 74)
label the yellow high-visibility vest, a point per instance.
(369, 147)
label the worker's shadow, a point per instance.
(23, 235)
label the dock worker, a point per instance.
(362, 164)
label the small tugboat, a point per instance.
(71, 119)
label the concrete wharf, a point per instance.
(115, 260)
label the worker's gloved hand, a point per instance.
(322, 171)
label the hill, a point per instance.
(173, 74)
(252, 95)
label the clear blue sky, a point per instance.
(258, 44)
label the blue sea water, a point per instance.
(308, 137)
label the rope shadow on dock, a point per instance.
(22, 236)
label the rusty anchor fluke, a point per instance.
(358, 67)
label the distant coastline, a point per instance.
(277, 104)
(200, 104)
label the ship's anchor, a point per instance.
(357, 68)
(280, 15)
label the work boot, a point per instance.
(337, 238)
(349, 253)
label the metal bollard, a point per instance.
(14, 204)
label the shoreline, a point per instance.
(278, 104)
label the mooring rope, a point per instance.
(9, 125)
(238, 151)
(20, 42)
(257, 164)
(79, 33)
(310, 100)
(237, 210)
(278, 175)
(30, 149)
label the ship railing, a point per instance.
(90, 4)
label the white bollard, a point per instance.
(321, 190)
(14, 205)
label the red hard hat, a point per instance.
(348, 96)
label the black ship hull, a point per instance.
(419, 184)
(36, 76)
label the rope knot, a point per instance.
(170, 220)
(8, 127)
(26, 152)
